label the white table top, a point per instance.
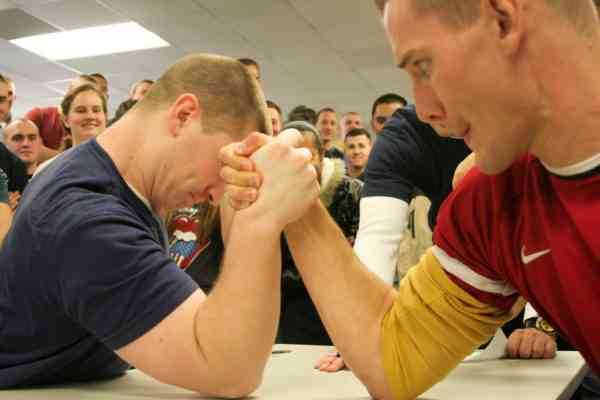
(291, 376)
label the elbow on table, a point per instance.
(233, 387)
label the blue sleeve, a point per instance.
(114, 278)
(394, 163)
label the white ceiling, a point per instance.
(314, 52)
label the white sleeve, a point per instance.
(380, 230)
(530, 312)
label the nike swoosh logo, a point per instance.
(532, 257)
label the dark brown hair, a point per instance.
(67, 102)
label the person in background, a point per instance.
(22, 138)
(139, 89)
(12, 96)
(350, 120)
(84, 112)
(102, 83)
(357, 147)
(5, 209)
(383, 109)
(252, 67)
(49, 121)
(327, 124)
(16, 171)
(5, 99)
(123, 108)
(275, 115)
(303, 113)
(340, 194)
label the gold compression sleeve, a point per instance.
(431, 327)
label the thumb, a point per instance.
(253, 142)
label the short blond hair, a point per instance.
(231, 100)
(466, 12)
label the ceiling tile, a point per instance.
(16, 23)
(74, 14)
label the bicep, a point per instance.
(169, 351)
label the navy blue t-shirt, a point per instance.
(83, 271)
(408, 157)
(14, 168)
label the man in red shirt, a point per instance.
(524, 225)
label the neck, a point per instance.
(327, 143)
(31, 167)
(354, 171)
(126, 145)
(570, 132)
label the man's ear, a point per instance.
(183, 110)
(507, 20)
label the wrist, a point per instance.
(540, 324)
(259, 222)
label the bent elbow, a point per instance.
(239, 388)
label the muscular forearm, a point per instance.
(5, 220)
(350, 299)
(237, 323)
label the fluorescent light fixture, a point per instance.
(89, 42)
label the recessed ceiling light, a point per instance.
(89, 42)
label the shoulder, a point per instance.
(404, 126)
(474, 207)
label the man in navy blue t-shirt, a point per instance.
(86, 286)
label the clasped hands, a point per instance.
(272, 178)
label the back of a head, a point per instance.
(231, 100)
(307, 130)
(303, 113)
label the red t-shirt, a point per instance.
(50, 124)
(531, 232)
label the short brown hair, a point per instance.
(465, 12)
(275, 106)
(230, 97)
(67, 102)
(358, 132)
(324, 110)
